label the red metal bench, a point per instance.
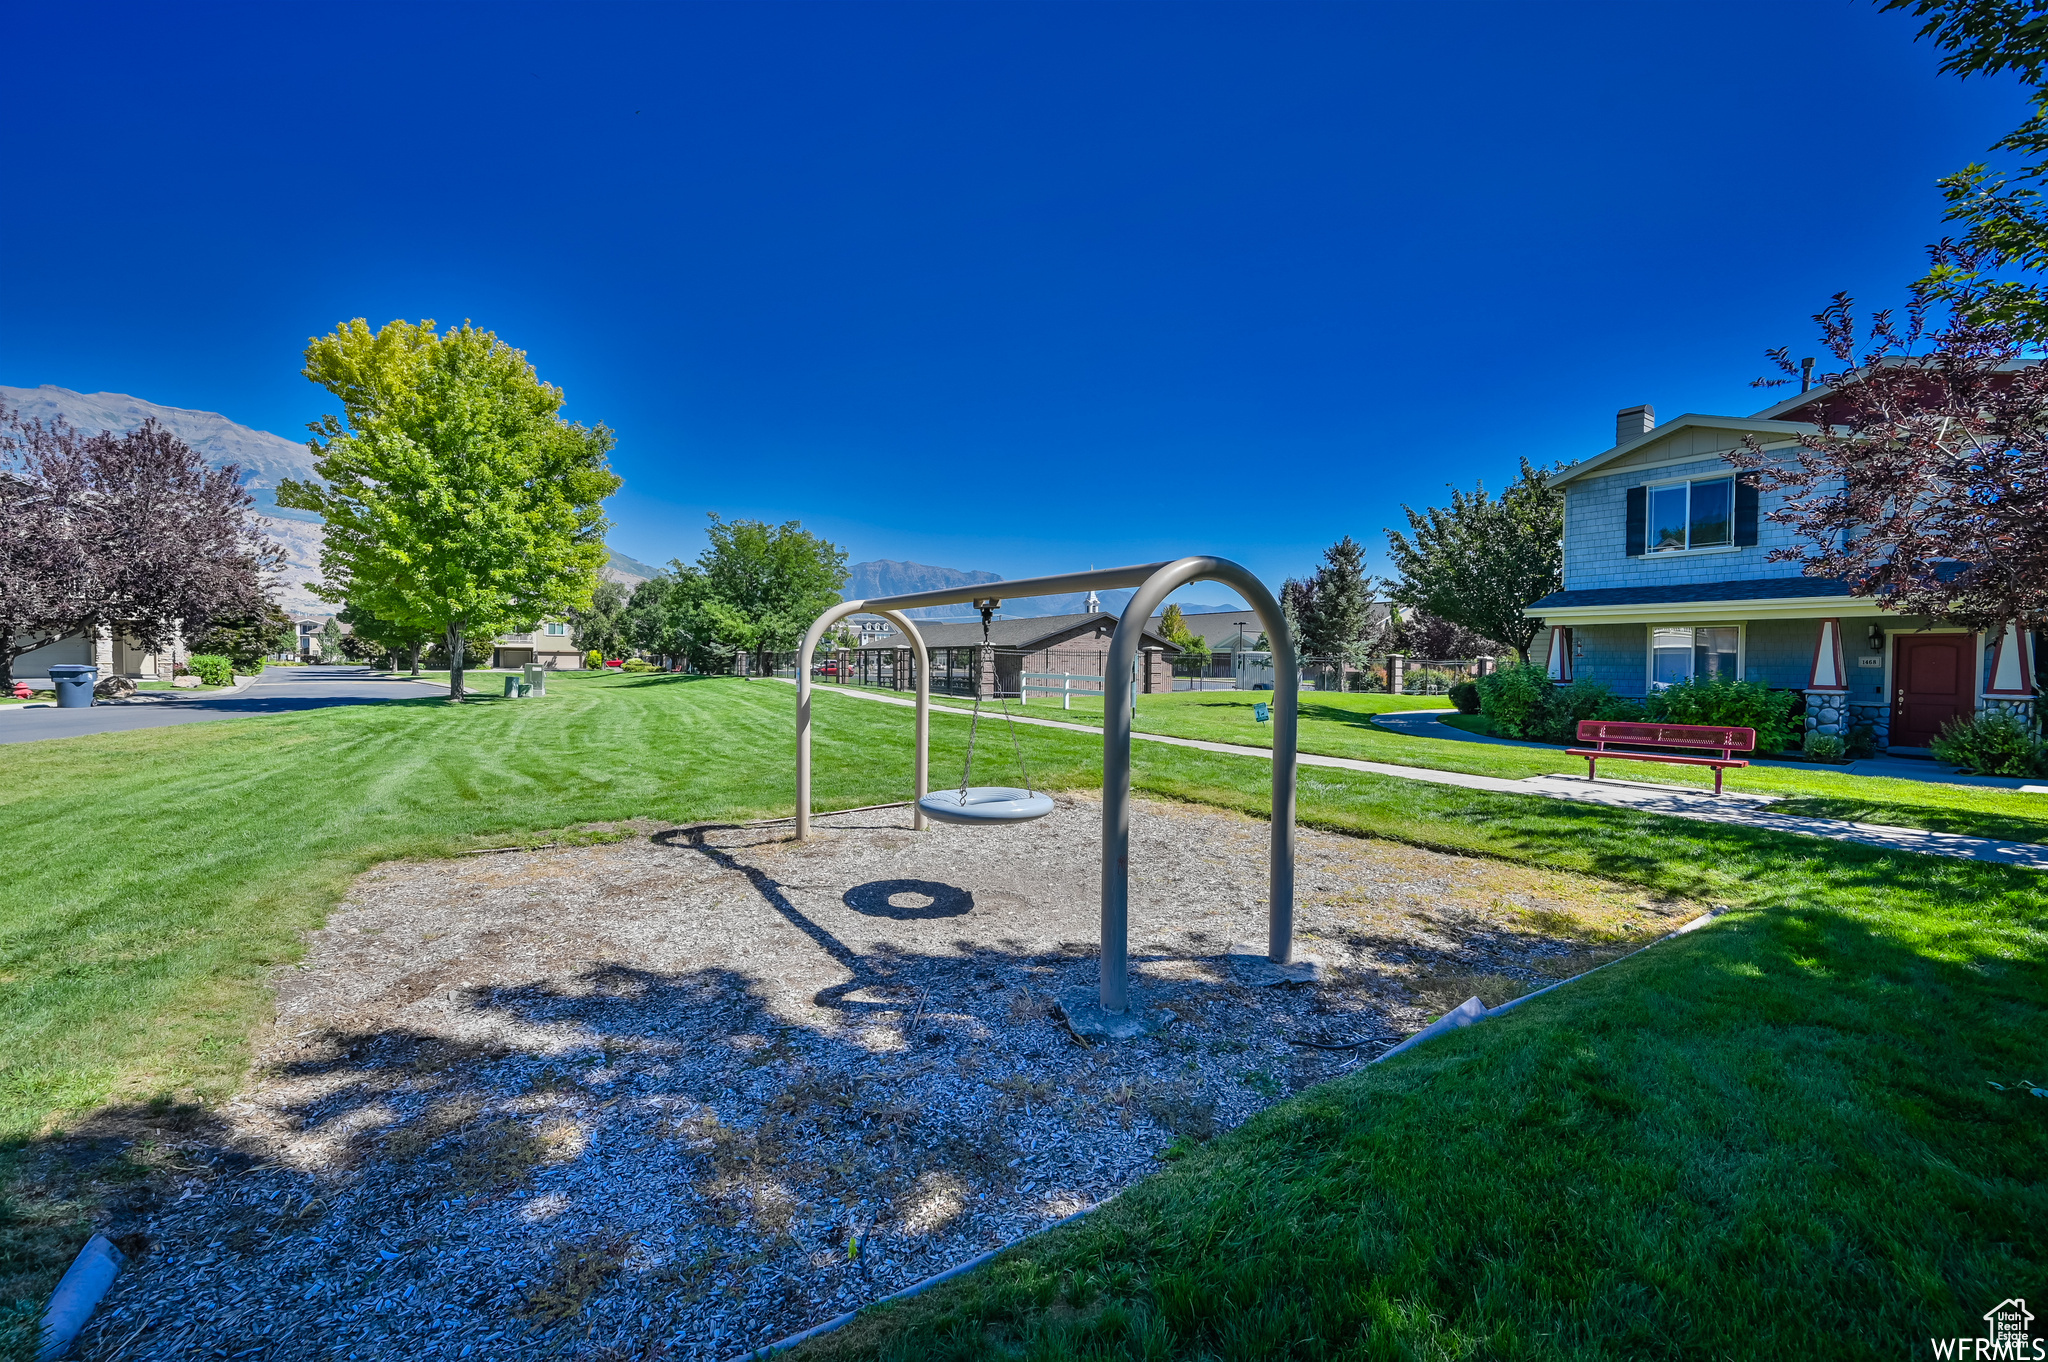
(1699, 737)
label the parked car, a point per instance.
(830, 668)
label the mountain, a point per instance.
(885, 577)
(628, 572)
(265, 460)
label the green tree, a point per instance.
(646, 619)
(381, 638)
(755, 590)
(1341, 603)
(2004, 221)
(250, 638)
(457, 499)
(1173, 627)
(330, 641)
(600, 627)
(1479, 561)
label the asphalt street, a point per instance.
(280, 690)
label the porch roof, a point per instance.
(1756, 598)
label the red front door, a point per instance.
(1931, 684)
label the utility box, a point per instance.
(537, 678)
(73, 683)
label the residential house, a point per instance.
(1667, 576)
(113, 653)
(549, 643)
(1067, 645)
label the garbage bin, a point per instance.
(511, 688)
(74, 683)
(537, 677)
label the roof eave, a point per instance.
(1749, 425)
(1687, 612)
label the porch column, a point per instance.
(1827, 685)
(1559, 664)
(2009, 682)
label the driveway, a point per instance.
(280, 690)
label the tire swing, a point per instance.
(980, 805)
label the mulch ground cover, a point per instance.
(683, 1094)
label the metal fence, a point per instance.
(1057, 675)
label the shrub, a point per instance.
(638, 664)
(1825, 747)
(1367, 680)
(593, 659)
(1995, 743)
(212, 668)
(1517, 700)
(1522, 702)
(1717, 701)
(1862, 742)
(1465, 695)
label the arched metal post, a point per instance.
(1112, 1015)
(803, 709)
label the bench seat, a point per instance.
(1698, 737)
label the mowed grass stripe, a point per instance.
(1749, 1135)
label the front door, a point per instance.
(1932, 677)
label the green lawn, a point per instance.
(1341, 725)
(1774, 1134)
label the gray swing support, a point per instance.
(1111, 1014)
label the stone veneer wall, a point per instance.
(1835, 714)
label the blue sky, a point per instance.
(1016, 287)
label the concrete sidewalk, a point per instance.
(1428, 723)
(1742, 809)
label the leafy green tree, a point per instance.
(1479, 561)
(600, 627)
(2004, 221)
(330, 641)
(755, 590)
(457, 499)
(1173, 627)
(381, 638)
(246, 641)
(647, 622)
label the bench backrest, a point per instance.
(1668, 735)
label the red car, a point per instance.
(826, 669)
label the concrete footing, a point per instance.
(1249, 963)
(1083, 1011)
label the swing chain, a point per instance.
(988, 610)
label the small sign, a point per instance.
(1261, 712)
(1868, 661)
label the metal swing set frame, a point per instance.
(1111, 1014)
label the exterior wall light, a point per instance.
(1876, 639)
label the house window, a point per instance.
(1678, 654)
(557, 630)
(1692, 515)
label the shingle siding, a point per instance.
(1596, 527)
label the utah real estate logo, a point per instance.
(2005, 1327)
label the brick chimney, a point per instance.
(1634, 422)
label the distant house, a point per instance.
(113, 653)
(1063, 644)
(1666, 577)
(548, 643)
